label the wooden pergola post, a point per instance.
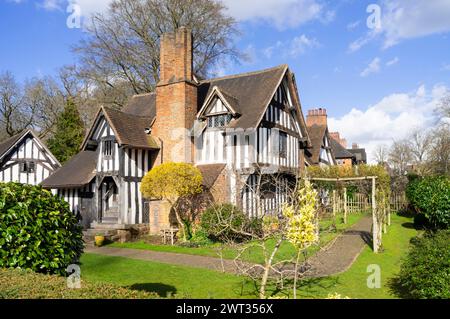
(376, 235)
(345, 205)
(334, 203)
(374, 218)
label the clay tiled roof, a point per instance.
(77, 172)
(6, 145)
(339, 151)
(142, 105)
(130, 129)
(250, 93)
(210, 173)
(316, 134)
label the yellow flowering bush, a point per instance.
(301, 218)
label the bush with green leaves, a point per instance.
(225, 222)
(37, 230)
(425, 272)
(430, 196)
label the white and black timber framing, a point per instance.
(25, 159)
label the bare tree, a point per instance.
(400, 156)
(443, 110)
(35, 105)
(440, 150)
(381, 153)
(122, 53)
(47, 100)
(14, 114)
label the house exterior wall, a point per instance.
(29, 150)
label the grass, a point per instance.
(353, 283)
(117, 277)
(164, 279)
(26, 284)
(254, 254)
(188, 282)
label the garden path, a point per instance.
(335, 258)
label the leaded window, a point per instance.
(219, 120)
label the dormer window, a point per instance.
(219, 120)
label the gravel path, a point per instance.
(337, 257)
(164, 257)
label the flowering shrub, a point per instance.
(301, 219)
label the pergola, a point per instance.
(376, 227)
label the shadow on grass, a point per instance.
(409, 225)
(162, 290)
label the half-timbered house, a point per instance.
(241, 131)
(25, 159)
(321, 152)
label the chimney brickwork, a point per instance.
(316, 117)
(337, 137)
(176, 98)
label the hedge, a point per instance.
(26, 284)
(425, 272)
(430, 196)
(37, 230)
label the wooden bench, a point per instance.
(169, 233)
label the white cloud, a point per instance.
(89, 7)
(392, 118)
(293, 48)
(408, 19)
(393, 61)
(373, 67)
(300, 44)
(281, 13)
(51, 5)
(446, 67)
(353, 25)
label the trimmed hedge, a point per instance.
(430, 196)
(26, 284)
(425, 272)
(37, 230)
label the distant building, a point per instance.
(360, 154)
(25, 159)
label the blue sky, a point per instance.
(377, 84)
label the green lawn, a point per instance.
(163, 279)
(253, 254)
(352, 283)
(188, 282)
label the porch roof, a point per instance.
(77, 172)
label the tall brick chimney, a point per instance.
(176, 98)
(316, 117)
(337, 137)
